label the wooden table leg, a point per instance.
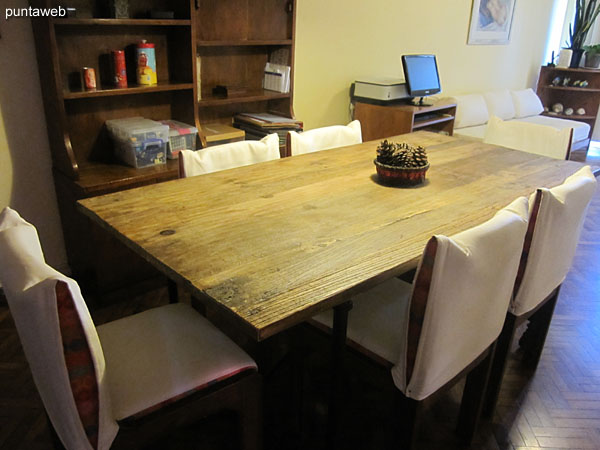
(172, 289)
(338, 349)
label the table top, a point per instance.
(274, 243)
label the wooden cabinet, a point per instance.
(570, 96)
(380, 121)
(207, 43)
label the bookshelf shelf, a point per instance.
(110, 92)
(244, 43)
(248, 97)
(121, 22)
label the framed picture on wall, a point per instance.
(491, 21)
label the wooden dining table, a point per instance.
(269, 245)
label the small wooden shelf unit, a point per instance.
(379, 121)
(570, 96)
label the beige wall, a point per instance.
(336, 42)
(25, 165)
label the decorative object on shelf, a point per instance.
(576, 83)
(491, 22)
(592, 56)
(552, 59)
(566, 81)
(586, 12)
(146, 64)
(119, 9)
(88, 76)
(564, 57)
(581, 111)
(401, 164)
(557, 108)
(583, 84)
(546, 109)
(556, 81)
(119, 69)
(277, 77)
(569, 112)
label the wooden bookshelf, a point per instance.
(231, 40)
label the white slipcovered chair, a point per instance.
(445, 325)
(555, 223)
(122, 383)
(529, 137)
(323, 138)
(228, 156)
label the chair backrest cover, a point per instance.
(556, 220)
(324, 138)
(460, 297)
(58, 337)
(529, 137)
(228, 156)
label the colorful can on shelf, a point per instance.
(119, 69)
(88, 76)
(146, 64)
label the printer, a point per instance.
(373, 89)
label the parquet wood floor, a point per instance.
(557, 407)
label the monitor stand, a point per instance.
(419, 102)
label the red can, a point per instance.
(119, 69)
(89, 78)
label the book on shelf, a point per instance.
(268, 120)
(259, 125)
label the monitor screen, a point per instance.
(421, 75)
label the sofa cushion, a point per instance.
(500, 104)
(581, 130)
(471, 110)
(477, 132)
(526, 103)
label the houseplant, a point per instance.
(401, 164)
(592, 56)
(586, 12)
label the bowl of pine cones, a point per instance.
(401, 164)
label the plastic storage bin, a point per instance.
(139, 142)
(181, 137)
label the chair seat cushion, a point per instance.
(163, 354)
(378, 319)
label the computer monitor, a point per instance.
(421, 76)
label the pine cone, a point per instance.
(401, 154)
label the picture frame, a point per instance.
(491, 22)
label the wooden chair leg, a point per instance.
(337, 393)
(473, 397)
(535, 338)
(503, 345)
(251, 414)
(172, 289)
(56, 442)
(408, 418)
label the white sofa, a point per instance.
(474, 110)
